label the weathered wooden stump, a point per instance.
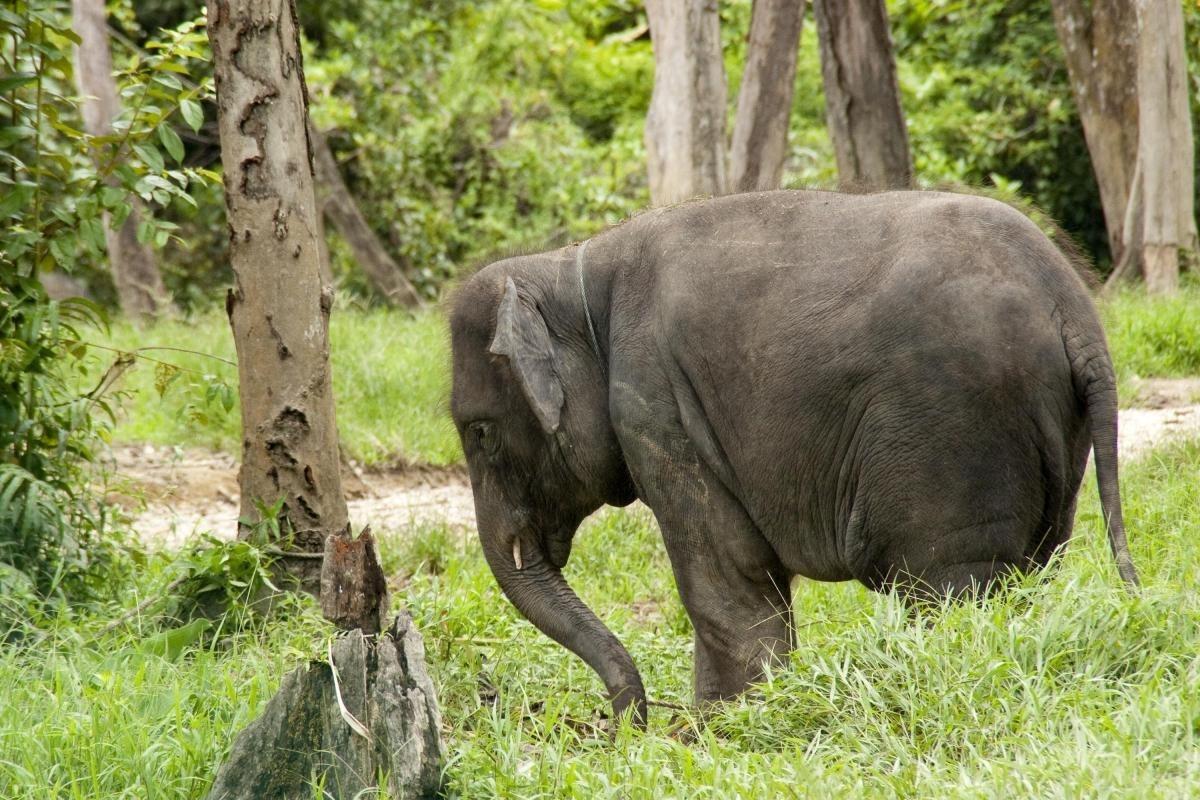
(367, 720)
(353, 588)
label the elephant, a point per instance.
(899, 388)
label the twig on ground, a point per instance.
(141, 607)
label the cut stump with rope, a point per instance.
(367, 719)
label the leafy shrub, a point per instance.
(59, 187)
(483, 127)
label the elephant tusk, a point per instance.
(517, 554)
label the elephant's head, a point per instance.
(530, 402)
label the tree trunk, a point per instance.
(862, 98)
(765, 98)
(1165, 147)
(1101, 49)
(685, 126)
(139, 284)
(336, 203)
(278, 308)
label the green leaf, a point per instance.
(226, 395)
(15, 81)
(93, 233)
(11, 134)
(150, 156)
(111, 197)
(171, 644)
(192, 113)
(63, 250)
(14, 200)
(170, 140)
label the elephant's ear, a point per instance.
(522, 336)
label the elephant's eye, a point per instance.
(484, 434)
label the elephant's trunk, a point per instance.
(541, 593)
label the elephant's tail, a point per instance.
(1096, 384)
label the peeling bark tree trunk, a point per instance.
(338, 205)
(1101, 46)
(765, 97)
(1165, 146)
(139, 284)
(685, 126)
(862, 98)
(278, 308)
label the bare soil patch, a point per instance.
(176, 493)
(1166, 392)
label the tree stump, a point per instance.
(306, 736)
(353, 586)
(370, 713)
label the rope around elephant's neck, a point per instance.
(587, 312)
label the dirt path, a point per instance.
(192, 491)
(189, 491)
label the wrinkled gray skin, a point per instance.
(897, 388)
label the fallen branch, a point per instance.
(141, 607)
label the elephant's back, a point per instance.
(918, 339)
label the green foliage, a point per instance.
(52, 530)
(139, 713)
(223, 580)
(467, 130)
(1154, 336)
(482, 127)
(59, 187)
(62, 185)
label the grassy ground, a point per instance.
(391, 381)
(1066, 687)
(1154, 337)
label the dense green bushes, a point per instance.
(59, 186)
(472, 128)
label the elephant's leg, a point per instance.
(725, 666)
(732, 584)
(741, 626)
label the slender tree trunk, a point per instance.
(685, 126)
(338, 206)
(278, 308)
(862, 98)
(1165, 147)
(1101, 49)
(139, 284)
(765, 99)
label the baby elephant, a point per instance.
(897, 388)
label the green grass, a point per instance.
(390, 377)
(1065, 687)
(1153, 337)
